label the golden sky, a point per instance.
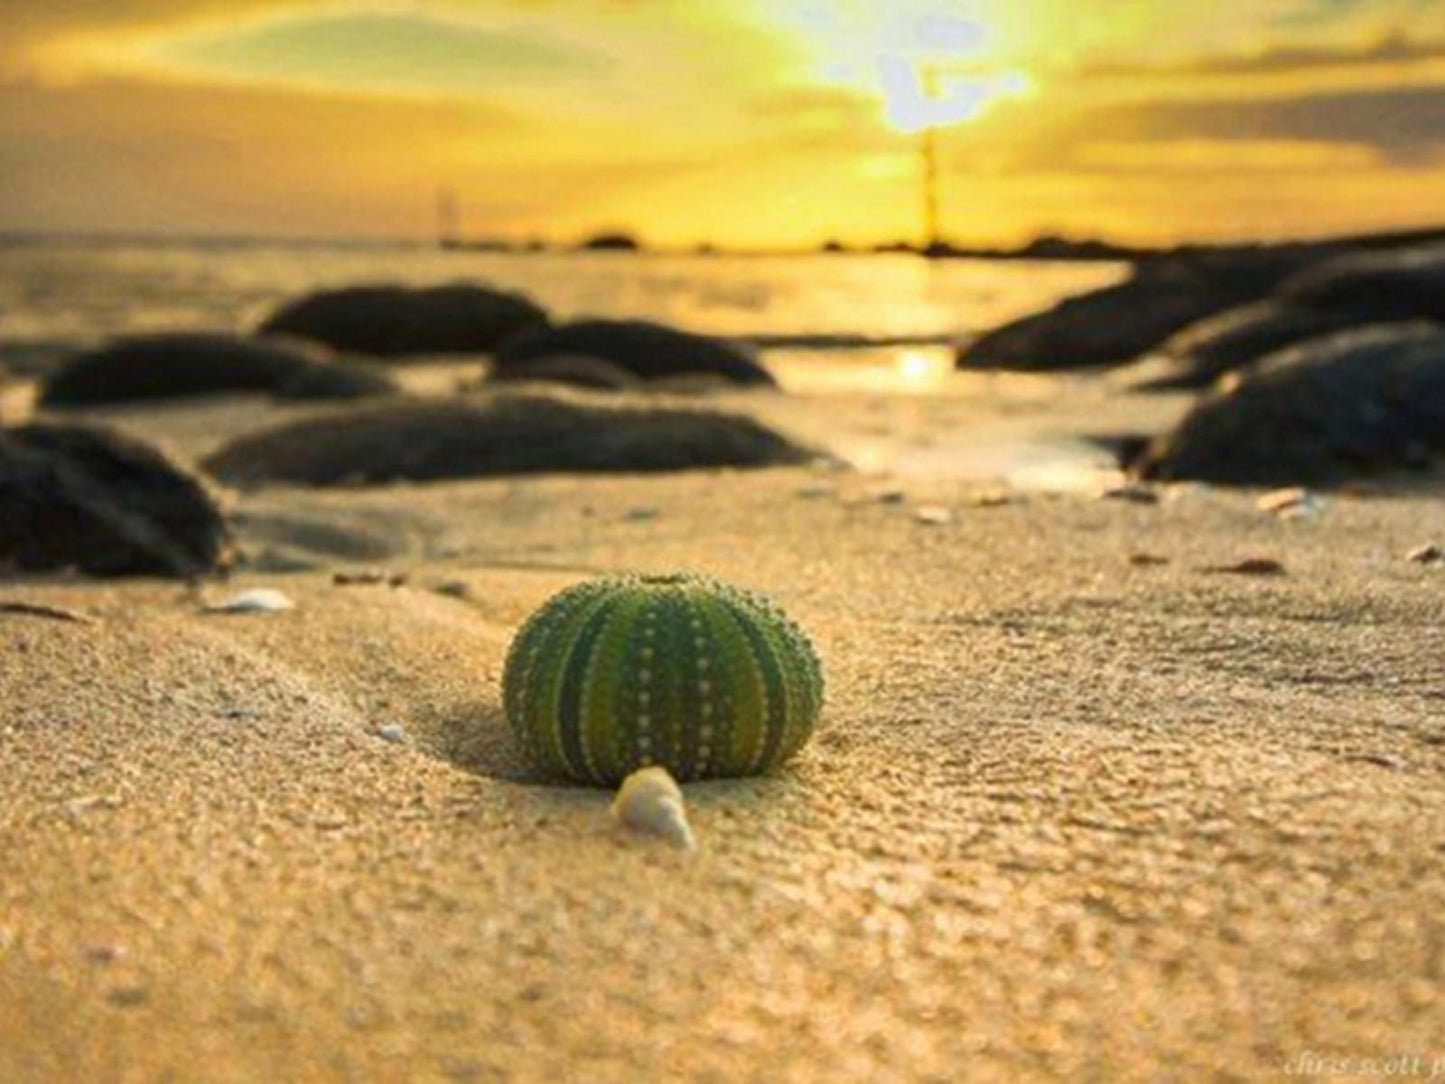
(740, 122)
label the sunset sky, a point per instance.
(740, 122)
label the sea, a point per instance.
(885, 322)
(837, 330)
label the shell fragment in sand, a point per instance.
(260, 600)
(1293, 503)
(650, 800)
(37, 609)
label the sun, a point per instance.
(930, 63)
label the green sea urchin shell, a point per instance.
(684, 672)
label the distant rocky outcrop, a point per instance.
(645, 349)
(83, 497)
(1332, 408)
(395, 321)
(508, 433)
(190, 364)
(611, 242)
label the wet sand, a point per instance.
(1070, 815)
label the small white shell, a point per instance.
(933, 515)
(261, 600)
(651, 801)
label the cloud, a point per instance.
(1294, 139)
(1393, 49)
(1196, 158)
(379, 51)
(31, 32)
(680, 116)
(1405, 125)
(1296, 14)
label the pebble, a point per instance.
(1133, 492)
(1250, 566)
(261, 600)
(454, 589)
(1428, 554)
(128, 997)
(368, 577)
(993, 498)
(394, 733)
(103, 953)
(1147, 560)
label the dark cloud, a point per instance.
(1401, 129)
(1315, 13)
(1394, 49)
(1405, 125)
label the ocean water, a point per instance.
(864, 344)
(883, 323)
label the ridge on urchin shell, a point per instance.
(680, 671)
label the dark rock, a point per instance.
(35, 357)
(391, 321)
(1357, 402)
(335, 380)
(511, 433)
(1236, 339)
(191, 363)
(691, 384)
(1126, 448)
(81, 497)
(1376, 286)
(166, 366)
(1121, 322)
(582, 372)
(649, 350)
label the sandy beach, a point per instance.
(962, 480)
(1078, 808)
